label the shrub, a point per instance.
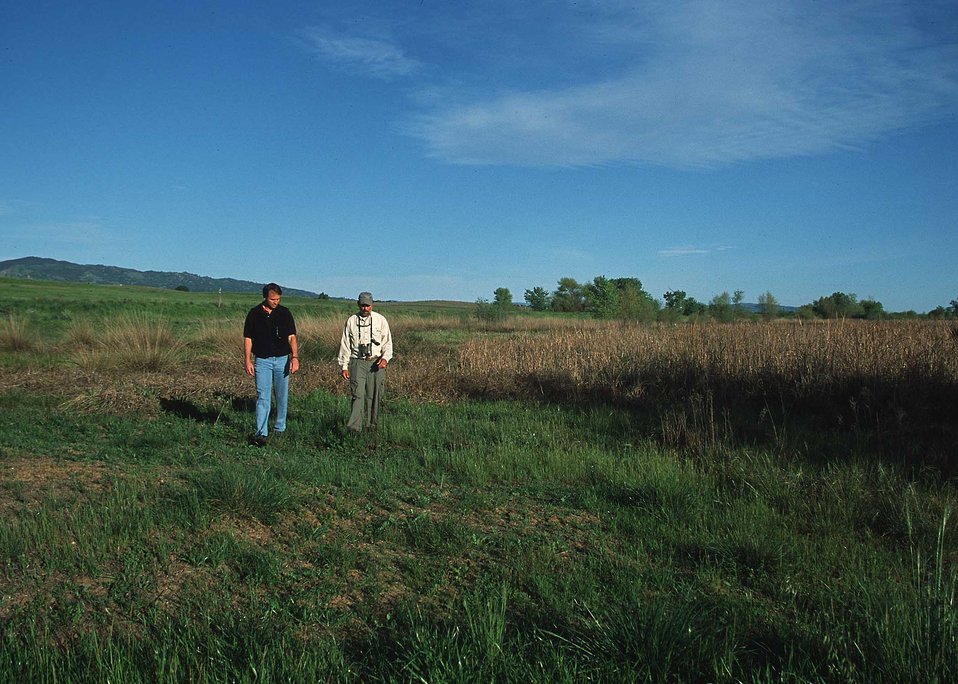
(490, 313)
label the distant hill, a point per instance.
(38, 268)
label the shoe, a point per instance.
(258, 440)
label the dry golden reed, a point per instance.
(629, 361)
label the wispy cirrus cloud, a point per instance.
(690, 251)
(701, 84)
(370, 56)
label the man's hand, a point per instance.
(345, 374)
(249, 368)
(382, 363)
(293, 365)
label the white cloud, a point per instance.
(701, 83)
(371, 56)
(690, 250)
(683, 251)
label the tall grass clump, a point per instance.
(932, 640)
(887, 631)
(218, 340)
(16, 334)
(136, 342)
(82, 333)
(244, 492)
(318, 337)
(144, 343)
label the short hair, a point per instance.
(271, 287)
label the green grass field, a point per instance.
(487, 532)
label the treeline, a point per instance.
(626, 299)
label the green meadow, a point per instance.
(548, 499)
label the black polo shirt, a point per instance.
(269, 330)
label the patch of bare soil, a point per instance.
(178, 580)
(247, 529)
(26, 480)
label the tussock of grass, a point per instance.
(244, 492)
(16, 334)
(82, 334)
(143, 342)
(219, 340)
(131, 343)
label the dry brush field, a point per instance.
(896, 380)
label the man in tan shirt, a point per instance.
(365, 350)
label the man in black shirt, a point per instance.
(270, 355)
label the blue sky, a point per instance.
(439, 150)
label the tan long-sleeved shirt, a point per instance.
(373, 331)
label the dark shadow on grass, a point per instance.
(243, 404)
(905, 422)
(190, 410)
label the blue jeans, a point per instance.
(272, 376)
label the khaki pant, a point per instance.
(366, 383)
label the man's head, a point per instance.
(271, 294)
(365, 303)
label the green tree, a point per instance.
(503, 298)
(635, 304)
(871, 310)
(693, 307)
(720, 308)
(674, 305)
(538, 299)
(953, 306)
(620, 298)
(675, 300)
(487, 312)
(568, 296)
(768, 306)
(602, 298)
(837, 305)
(940, 312)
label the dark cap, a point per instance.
(365, 299)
